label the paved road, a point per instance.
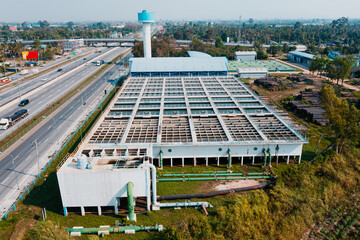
(13, 93)
(24, 155)
(48, 95)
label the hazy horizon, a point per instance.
(120, 10)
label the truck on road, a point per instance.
(7, 122)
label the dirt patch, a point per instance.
(225, 185)
(26, 223)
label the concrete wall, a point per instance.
(294, 149)
(252, 75)
(90, 187)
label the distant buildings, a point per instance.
(334, 54)
(13, 28)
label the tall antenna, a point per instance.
(240, 29)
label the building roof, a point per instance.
(245, 53)
(198, 54)
(252, 70)
(178, 64)
(302, 54)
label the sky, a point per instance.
(126, 10)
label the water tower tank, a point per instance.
(82, 161)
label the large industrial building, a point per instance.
(171, 111)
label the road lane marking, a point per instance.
(5, 180)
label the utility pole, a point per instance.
(13, 162)
(17, 78)
(82, 103)
(37, 155)
(57, 133)
(239, 29)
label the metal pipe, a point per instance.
(161, 159)
(255, 174)
(229, 158)
(199, 174)
(153, 179)
(116, 229)
(130, 198)
(264, 152)
(269, 156)
(210, 178)
(185, 204)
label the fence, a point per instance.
(66, 146)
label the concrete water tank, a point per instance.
(82, 161)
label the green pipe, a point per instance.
(130, 198)
(199, 174)
(255, 174)
(210, 178)
(269, 156)
(227, 171)
(116, 229)
(264, 152)
(161, 159)
(229, 158)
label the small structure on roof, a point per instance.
(252, 72)
(245, 55)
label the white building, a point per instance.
(73, 44)
(252, 72)
(245, 55)
(101, 184)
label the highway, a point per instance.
(13, 93)
(48, 95)
(50, 133)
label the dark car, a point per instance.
(24, 102)
(59, 70)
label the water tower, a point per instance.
(146, 18)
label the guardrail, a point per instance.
(66, 145)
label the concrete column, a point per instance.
(82, 209)
(99, 210)
(277, 159)
(182, 162)
(194, 161)
(116, 209)
(147, 40)
(253, 160)
(218, 161)
(242, 160)
(171, 162)
(207, 161)
(299, 158)
(288, 159)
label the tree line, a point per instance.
(337, 69)
(338, 35)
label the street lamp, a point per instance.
(13, 162)
(56, 130)
(37, 155)
(17, 78)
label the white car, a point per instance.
(44, 79)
